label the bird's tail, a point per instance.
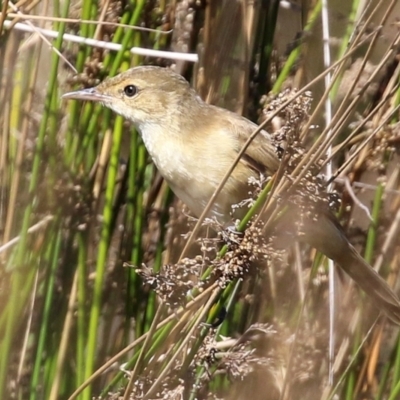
(327, 236)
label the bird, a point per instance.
(193, 144)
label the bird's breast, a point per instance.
(194, 171)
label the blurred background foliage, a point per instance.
(80, 198)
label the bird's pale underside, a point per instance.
(193, 144)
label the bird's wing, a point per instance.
(262, 154)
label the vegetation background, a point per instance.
(93, 300)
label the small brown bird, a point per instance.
(193, 144)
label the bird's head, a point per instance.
(142, 95)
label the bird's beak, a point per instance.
(91, 94)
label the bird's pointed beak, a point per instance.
(91, 94)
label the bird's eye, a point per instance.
(130, 90)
